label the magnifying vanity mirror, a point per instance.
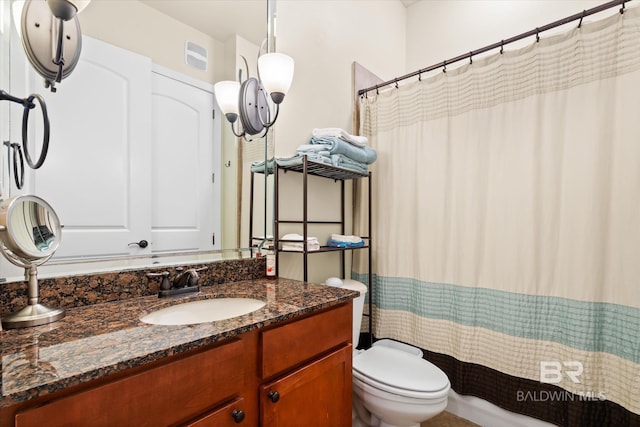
(30, 233)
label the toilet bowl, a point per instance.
(393, 386)
(397, 388)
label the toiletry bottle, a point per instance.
(271, 264)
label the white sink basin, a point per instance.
(203, 311)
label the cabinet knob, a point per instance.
(238, 416)
(274, 396)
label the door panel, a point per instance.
(185, 154)
(101, 112)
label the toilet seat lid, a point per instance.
(400, 370)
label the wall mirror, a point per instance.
(228, 29)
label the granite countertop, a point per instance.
(97, 340)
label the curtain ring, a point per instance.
(420, 75)
(501, 47)
(584, 13)
(444, 67)
(45, 138)
(537, 35)
(18, 180)
(622, 8)
(471, 57)
(396, 80)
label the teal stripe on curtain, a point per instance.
(591, 326)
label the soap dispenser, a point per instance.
(271, 263)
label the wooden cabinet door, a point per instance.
(318, 394)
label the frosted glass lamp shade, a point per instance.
(67, 9)
(227, 94)
(276, 74)
(16, 11)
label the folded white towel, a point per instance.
(313, 244)
(299, 237)
(299, 248)
(357, 140)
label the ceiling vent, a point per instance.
(195, 56)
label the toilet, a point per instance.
(393, 385)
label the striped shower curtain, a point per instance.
(507, 211)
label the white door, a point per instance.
(185, 196)
(97, 173)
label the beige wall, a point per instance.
(325, 37)
(442, 29)
(136, 27)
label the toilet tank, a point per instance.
(358, 304)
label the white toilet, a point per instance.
(393, 385)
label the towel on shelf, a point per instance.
(343, 238)
(342, 161)
(293, 242)
(341, 241)
(258, 167)
(357, 140)
(298, 158)
(336, 145)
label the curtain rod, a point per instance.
(535, 32)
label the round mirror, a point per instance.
(30, 228)
(30, 233)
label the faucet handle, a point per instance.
(165, 284)
(190, 277)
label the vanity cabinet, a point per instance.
(168, 394)
(309, 364)
(291, 373)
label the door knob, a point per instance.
(274, 396)
(142, 243)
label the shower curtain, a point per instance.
(507, 212)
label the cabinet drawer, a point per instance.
(287, 346)
(163, 395)
(229, 415)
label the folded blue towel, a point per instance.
(340, 244)
(298, 158)
(342, 161)
(337, 145)
(259, 166)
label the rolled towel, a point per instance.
(357, 140)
